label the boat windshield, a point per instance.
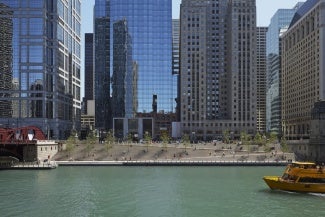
(305, 165)
(288, 177)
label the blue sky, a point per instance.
(265, 10)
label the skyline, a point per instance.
(265, 9)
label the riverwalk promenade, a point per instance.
(158, 154)
(172, 163)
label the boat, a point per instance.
(299, 177)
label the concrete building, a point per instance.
(280, 22)
(218, 67)
(44, 51)
(303, 68)
(261, 79)
(315, 151)
(6, 35)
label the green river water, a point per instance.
(151, 192)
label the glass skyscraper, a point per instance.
(135, 41)
(103, 116)
(149, 25)
(89, 70)
(280, 21)
(42, 65)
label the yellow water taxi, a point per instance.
(299, 177)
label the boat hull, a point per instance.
(275, 182)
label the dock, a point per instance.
(29, 166)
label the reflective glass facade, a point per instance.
(280, 20)
(149, 26)
(175, 66)
(103, 114)
(88, 73)
(42, 65)
(133, 62)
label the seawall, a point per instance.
(172, 163)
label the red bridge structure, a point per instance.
(13, 140)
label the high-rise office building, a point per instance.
(218, 67)
(279, 22)
(175, 65)
(103, 114)
(45, 55)
(145, 29)
(261, 79)
(303, 65)
(6, 59)
(122, 79)
(89, 70)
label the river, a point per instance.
(151, 192)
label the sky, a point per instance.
(265, 9)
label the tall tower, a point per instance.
(45, 53)
(176, 64)
(218, 67)
(133, 47)
(280, 21)
(122, 79)
(89, 69)
(261, 79)
(6, 59)
(103, 116)
(302, 79)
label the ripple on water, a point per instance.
(151, 191)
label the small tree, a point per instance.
(185, 140)
(273, 137)
(129, 140)
(165, 138)
(284, 145)
(226, 136)
(258, 139)
(147, 139)
(245, 139)
(90, 142)
(109, 140)
(71, 143)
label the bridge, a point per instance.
(20, 143)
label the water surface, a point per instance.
(151, 191)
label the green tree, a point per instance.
(245, 139)
(109, 140)
(129, 140)
(165, 138)
(284, 145)
(147, 139)
(71, 143)
(258, 139)
(273, 137)
(90, 142)
(185, 140)
(226, 136)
